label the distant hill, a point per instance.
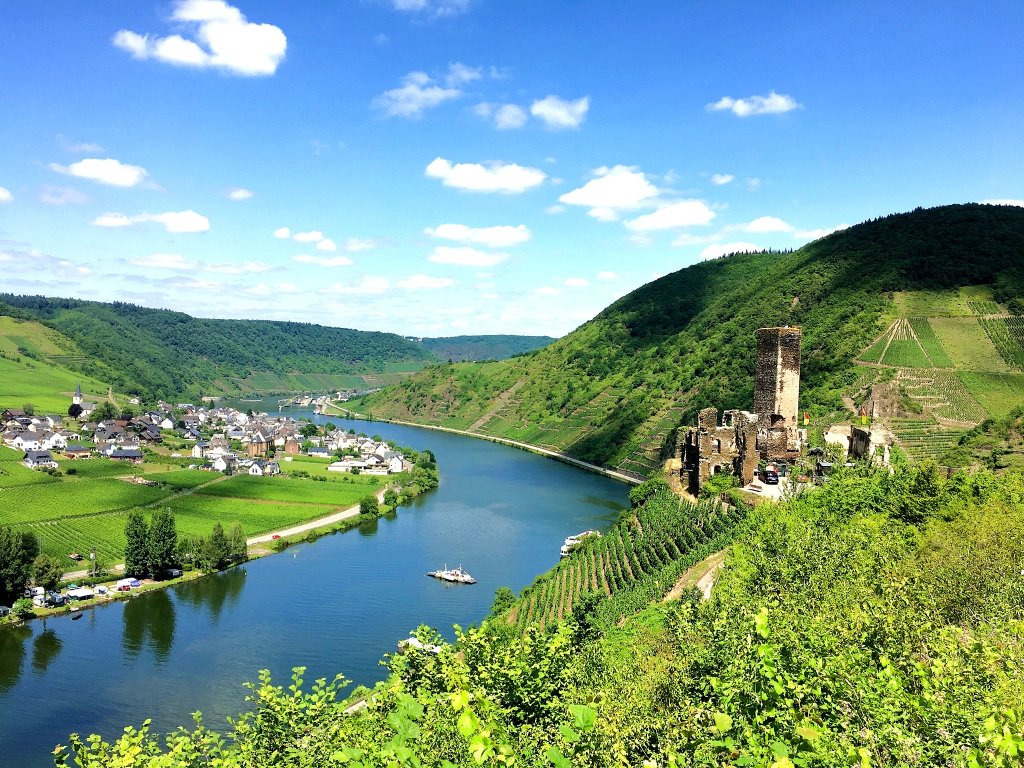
(461, 349)
(160, 353)
(614, 390)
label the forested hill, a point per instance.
(160, 353)
(492, 347)
(613, 390)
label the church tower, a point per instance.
(76, 399)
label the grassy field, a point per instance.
(47, 387)
(998, 393)
(77, 512)
(966, 343)
(931, 304)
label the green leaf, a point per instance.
(585, 717)
(467, 723)
(761, 623)
(556, 758)
(722, 722)
(569, 734)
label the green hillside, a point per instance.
(492, 347)
(34, 369)
(159, 353)
(614, 390)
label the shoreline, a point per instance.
(535, 449)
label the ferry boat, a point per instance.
(571, 542)
(456, 575)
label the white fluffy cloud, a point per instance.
(424, 283)
(766, 224)
(223, 39)
(491, 237)
(1004, 201)
(613, 190)
(417, 93)
(163, 261)
(104, 171)
(558, 113)
(721, 249)
(323, 261)
(327, 245)
(5, 195)
(313, 236)
(172, 221)
(505, 178)
(506, 117)
(721, 179)
(683, 213)
(464, 256)
(772, 104)
(282, 233)
(238, 193)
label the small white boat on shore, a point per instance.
(454, 575)
(571, 542)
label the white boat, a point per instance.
(571, 542)
(456, 575)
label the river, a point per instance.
(334, 606)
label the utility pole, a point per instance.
(92, 558)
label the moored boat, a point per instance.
(571, 542)
(454, 575)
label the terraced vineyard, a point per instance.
(634, 563)
(1007, 334)
(943, 394)
(924, 439)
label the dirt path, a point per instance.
(701, 576)
(499, 403)
(318, 523)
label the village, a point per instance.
(220, 439)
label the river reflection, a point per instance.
(213, 593)
(149, 621)
(12, 655)
(45, 648)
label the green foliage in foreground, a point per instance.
(878, 621)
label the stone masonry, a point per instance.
(777, 391)
(710, 448)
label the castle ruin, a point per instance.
(771, 432)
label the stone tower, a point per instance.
(76, 399)
(777, 376)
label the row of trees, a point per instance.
(216, 551)
(151, 548)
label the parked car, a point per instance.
(55, 598)
(173, 573)
(770, 477)
(124, 588)
(4, 611)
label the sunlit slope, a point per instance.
(159, 353)
(613, 390)
(33, 360)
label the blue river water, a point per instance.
(333, 606)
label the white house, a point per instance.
(395, 464)
(39, 459)
(26, 441)
(264, 468)
(224, 462)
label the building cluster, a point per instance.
(224, 439)
(770, 432)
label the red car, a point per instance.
(276, 536)
(124, 588)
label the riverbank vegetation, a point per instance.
(874, 621)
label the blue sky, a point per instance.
(441, 167)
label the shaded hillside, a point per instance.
(492, 347)
(613, 390)
(160, 353)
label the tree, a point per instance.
(29, 409)
(368, 506)
(215, 551)
(22, 607)
(308, 430)
(237, 548)
(17, 552)
(75, 411)
(136, 548)
(47, 572)
(504, 598)
(329, 426)
(162, 541)
(104, 412)
(391, 497)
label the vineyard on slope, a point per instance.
(643, 555)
